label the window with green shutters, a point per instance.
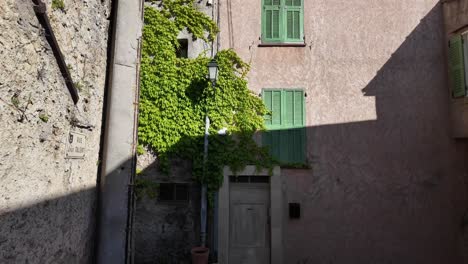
(457, 66)
(282, 21)
(286, 130)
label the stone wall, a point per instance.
(165, 231)
(47, 202)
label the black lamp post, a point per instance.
(213, 77)
(213, 71)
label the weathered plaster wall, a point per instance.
(387, 183)
(164, 232)
(47, 202)
(455, 15)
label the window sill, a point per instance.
(295, 166)
(459, 100)
(299, 44)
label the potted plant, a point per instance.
(200, 255)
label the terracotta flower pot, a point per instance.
(200, 255)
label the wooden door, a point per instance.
(249, 234)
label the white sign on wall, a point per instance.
(76, 145)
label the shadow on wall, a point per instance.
(390, 190)
(167, 220)
(58, 230)
(64, 229)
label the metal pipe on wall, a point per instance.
(41, 13)
(120, 140)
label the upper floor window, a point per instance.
(283, 21)
(182, 49)
(458, 59)
(286, 130)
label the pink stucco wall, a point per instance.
(387, 181)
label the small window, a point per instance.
(177, 192)
(182, 50)
(294, 210)
(283, 21)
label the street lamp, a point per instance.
(213, 77)
(213, 71)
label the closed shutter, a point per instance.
(286, 135)
(457, 67)
(294, 20)
(292, 134)
(272, 138)
(272, 100)
(271, 20)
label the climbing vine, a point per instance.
(176, 95)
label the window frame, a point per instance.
(183, 48)
(282, 90)
(286, 127)
(173, 187)
(283, 40)
(454, 70)
(464, 37)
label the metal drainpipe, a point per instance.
(216, 196)
(118, 161)
(203, 210)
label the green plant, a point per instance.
(58, 4)
(43, 117)
(78, 86)
(140, 150)
(15, 101)
(176, 95)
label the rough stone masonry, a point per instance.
(48, 202)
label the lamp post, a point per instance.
(213, 71)
(213, 77)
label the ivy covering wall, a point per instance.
(176, 94)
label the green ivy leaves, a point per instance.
(176, 95)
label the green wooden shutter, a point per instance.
(272, 100)
(286, 135)
(272, 138)
(292, 135)
(271, 21)
(267, 100)
(457, 67)
(294, 21)
(300, 142)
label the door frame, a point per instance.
(276, 213)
